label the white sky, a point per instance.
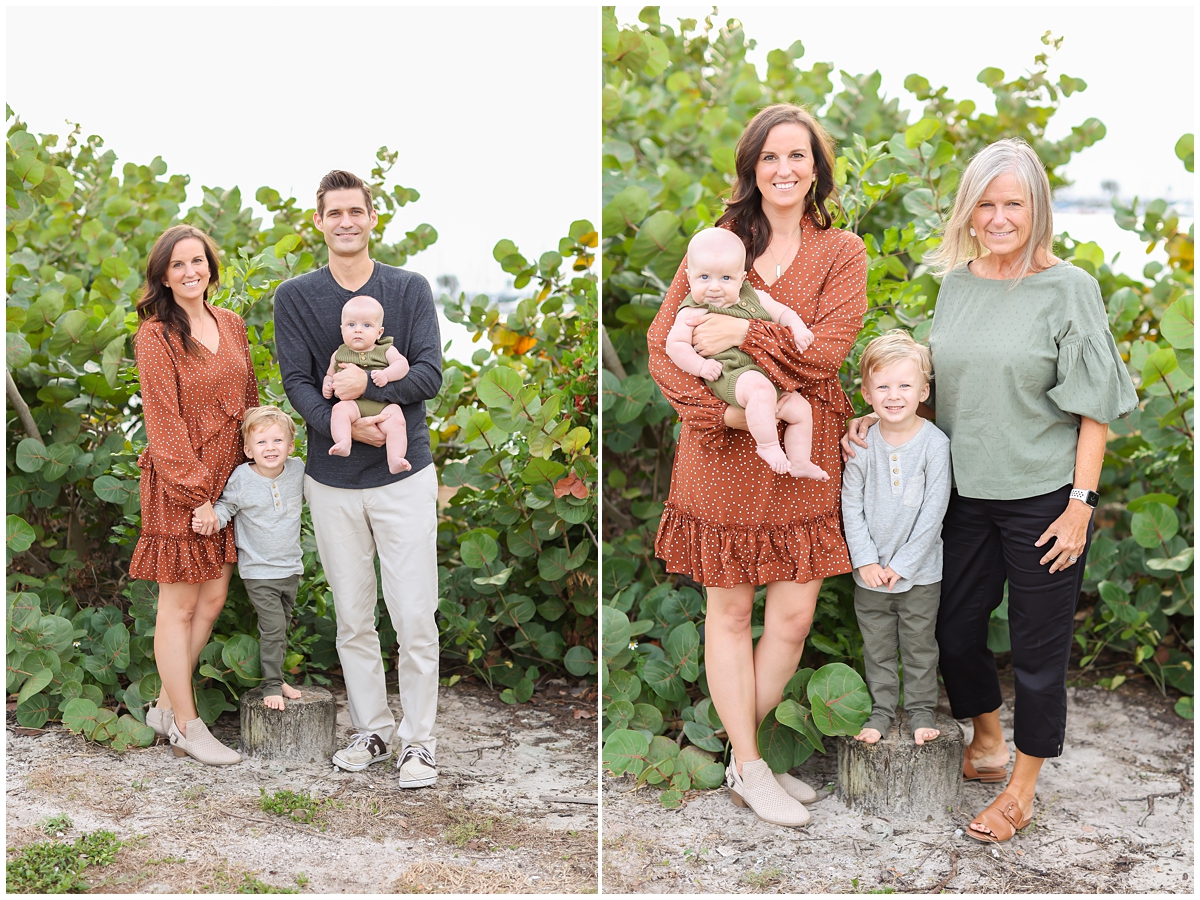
(1138, 63)
(495, 111)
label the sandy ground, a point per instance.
(1114, 814)
(495, 821)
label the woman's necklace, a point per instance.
(778, 266)
(203, 327)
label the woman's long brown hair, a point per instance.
(744, 209)
(158, 300)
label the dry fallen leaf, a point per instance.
(584, 713)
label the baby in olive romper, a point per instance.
(362, 327)
(716, 268)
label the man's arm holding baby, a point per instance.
(789, 318)
(396, 369)
(681, 351)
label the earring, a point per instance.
(972, 232)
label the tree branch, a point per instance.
(17, 402)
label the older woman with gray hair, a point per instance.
(1028, 377)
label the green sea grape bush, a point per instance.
(675, 99)
(80, 635)
(513, 435)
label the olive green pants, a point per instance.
(904, 622)
(273, 598)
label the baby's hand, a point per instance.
(872, 574)
(378, 377)
(327, 387)
(711, 370)
(804, 338)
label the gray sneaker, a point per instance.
(365, 749)
(417, 768)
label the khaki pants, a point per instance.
(398, 520)
(904, 622)
(273, 599)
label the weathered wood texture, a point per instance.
(303, 732)
(896, 779)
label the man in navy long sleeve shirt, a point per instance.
(359, 507)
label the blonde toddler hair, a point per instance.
(892, 347)
(264, 417)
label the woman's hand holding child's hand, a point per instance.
(876, 576)
(205, 521)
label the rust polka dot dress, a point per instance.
(729, 519)
(193, 407)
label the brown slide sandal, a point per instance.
(984, 774)
(1002, 818)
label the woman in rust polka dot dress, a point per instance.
(730, 522)
(197, 380)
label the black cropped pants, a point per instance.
(985, 543)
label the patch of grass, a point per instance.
(301, 879)
(194, 792)
(762, 879)
(56, 867)
(461, 833)
(299, 807)
(56, 825)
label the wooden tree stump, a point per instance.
(304, 732)
(896, 779)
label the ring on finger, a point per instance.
(1073, 558)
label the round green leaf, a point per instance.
(34, 711)
(478, 549)
(30, 455)
(625, 751)
(79, 715)
(1178, 324)
(615, 631)
(1154, 524)
(580, 661)
(839, 699)
(499, 387)
(664, 680)
(19, 534)
(240, 654)
(17, 351)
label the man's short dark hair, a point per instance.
(340, 180)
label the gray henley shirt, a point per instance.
(268, 510)
(893, 502)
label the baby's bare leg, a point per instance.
(395, 429)
(757, 396)
(345, 414)
(797, 438)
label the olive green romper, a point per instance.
(734, 362)
(375, 358)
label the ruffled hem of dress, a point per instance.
(169, 559)
(717, 555)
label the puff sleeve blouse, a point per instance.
(1015, 368)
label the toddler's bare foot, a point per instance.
(921, 735)
(402, 465)
(868, 736)
(290, 692)
(806, 469)
(274, 701)
(774, 456)
(342, 448)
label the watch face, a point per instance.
(1092, 498)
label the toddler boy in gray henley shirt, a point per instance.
(893, 500)
(266, 497)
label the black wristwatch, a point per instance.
(1091, 498)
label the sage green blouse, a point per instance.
(1015, 367)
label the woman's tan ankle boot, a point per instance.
(795, 788)
(757, 788)
(200, 745)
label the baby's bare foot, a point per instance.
(806, 469)
(274, 701)
(342, 448)
(774, 456)
(868, 736)
(402, 465)
(921, 735)
(290, 692)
